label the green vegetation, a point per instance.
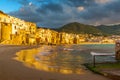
(103, 66)
(106, 69)
(78, 28)
(108, 65)
(92, 68)
(113, 29)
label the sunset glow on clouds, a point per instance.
(55, 13)
(80, 8)
(104, 1)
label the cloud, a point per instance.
(55, 13)
(23, 2)
(51, 7)
(105, 14)
(77, 3)
(80, 8)
(30, 3)
(103, 1)
(27, 13)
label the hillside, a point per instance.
(78, 28)
(113, 29)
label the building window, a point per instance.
(15, 27)
(15, 33)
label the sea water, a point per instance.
(67, 59)
(70, 58)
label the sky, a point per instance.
(56, 13)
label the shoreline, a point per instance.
(83, 43)
(96, 43)
(15, 70)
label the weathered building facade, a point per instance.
(16, 31)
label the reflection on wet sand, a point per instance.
(52, 59)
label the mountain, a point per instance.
(111, 29)
(78, 28)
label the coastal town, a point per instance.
(59, 40)
(19, 32)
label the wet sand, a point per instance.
(11, 69)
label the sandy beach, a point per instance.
(11, 69)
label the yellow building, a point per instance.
(31, 28)
(17, 31)
(5, 31)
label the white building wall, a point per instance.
(14, 30)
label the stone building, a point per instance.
(16, 31)
(5, 31)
